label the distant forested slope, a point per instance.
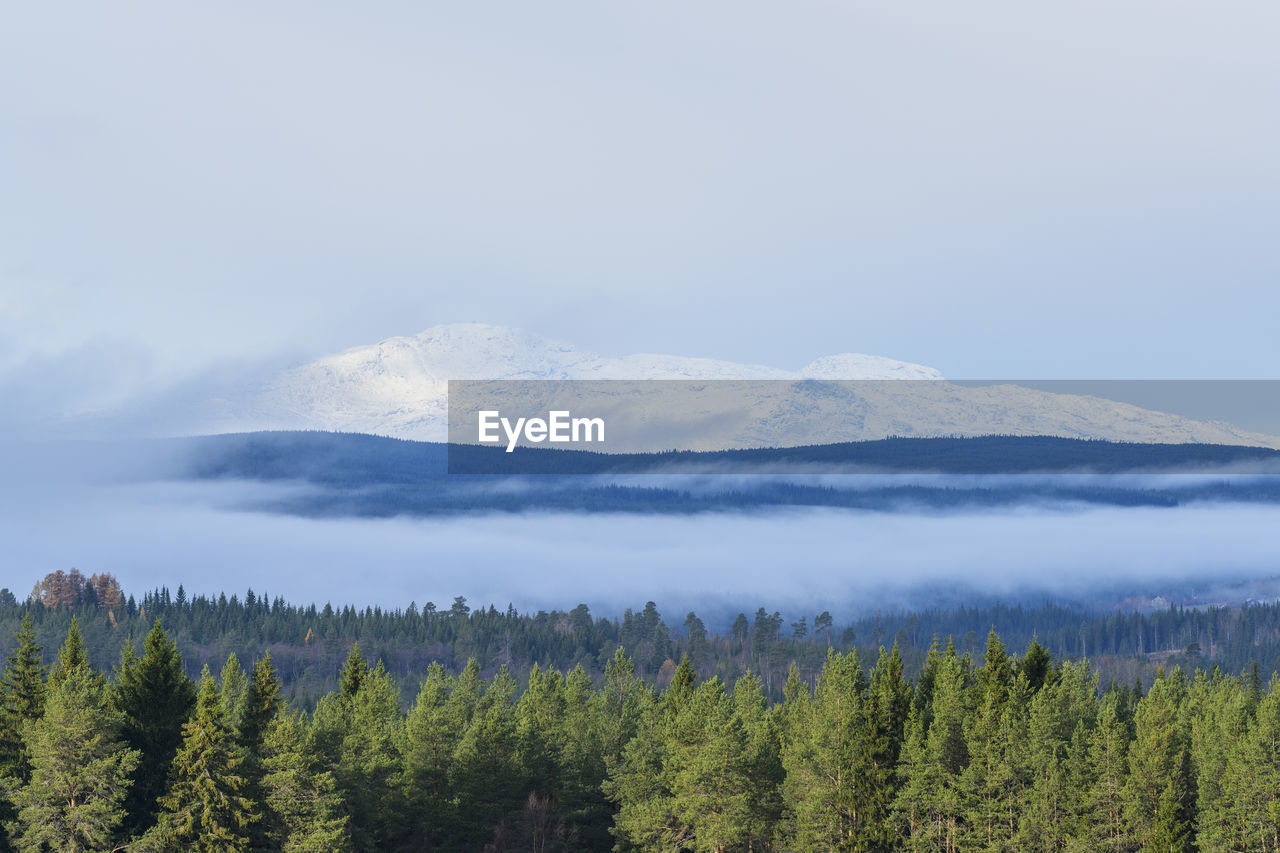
(365, 475)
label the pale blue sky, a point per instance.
(993, 189)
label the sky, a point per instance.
(993, 189)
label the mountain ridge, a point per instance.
(398, 387)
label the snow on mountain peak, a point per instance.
(852, 365)
(398, 386)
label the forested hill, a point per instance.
(995, 751)
(353, 458)
(362, 475)
(308, 642)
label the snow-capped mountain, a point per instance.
(398, 387)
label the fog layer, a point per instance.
(847, 562)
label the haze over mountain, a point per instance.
(398, 387)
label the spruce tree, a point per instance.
(204, 808)
(681, 688)
(996, 675)
(234, 684)
(71, 656)
(262, 703)
(23, 686)
(1048, 816)
(353, 673)
(1170, 830)
(888, 706)
(1036, 665)
(540, 755)
(156, 698)
(911, 817)
(259, 705)
(22, 697)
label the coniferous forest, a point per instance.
(837, 748)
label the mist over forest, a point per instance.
(329, 524)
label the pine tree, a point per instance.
(684, 780)
(1251, 783)
(1062, 715)
(156, 698)
(487, 775)
(540, 730)
(621, 705)
(996, 783)
(930, 804)
(586, 812)
(302, 810)
(764, 762)
(205, 808)
(1158, 795)
(832, 779)
(708, 767)
(79, 770)
(1106, 828)
(1220, 710)
(638, 783)
(358, 738)
(432, 731)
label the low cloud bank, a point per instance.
(798, 561)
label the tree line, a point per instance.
(308, 643)
(992, 752)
